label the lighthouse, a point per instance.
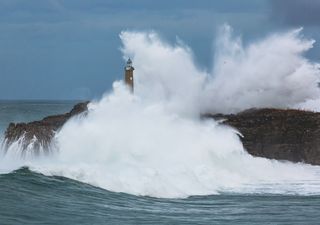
(128, 75)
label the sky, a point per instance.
(70, 49)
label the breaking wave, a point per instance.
(154, 143)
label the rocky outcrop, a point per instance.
(39, 133)
(283, 134)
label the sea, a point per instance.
(30, 197)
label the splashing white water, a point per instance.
(153, 143)
(269, 73)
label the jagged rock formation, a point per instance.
(40, 133)
(283, 134)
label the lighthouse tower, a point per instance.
(128, 74)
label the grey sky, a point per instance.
(297, 12)
(69, 49)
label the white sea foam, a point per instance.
(153, 143)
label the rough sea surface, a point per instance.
(27, 197)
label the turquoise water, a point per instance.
(27, 197)
(31, 198)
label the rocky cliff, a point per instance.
(40, 133)
(283, 134)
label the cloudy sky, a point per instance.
(69, 49)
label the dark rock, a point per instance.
(283, 134)
(40, 133)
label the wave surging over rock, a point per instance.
(154, 143)
(127, 145)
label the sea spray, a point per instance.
(271, 72)
(127, 145)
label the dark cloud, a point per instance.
(296, 12)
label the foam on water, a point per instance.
(125, 145)
(155, 144)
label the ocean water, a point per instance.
(29, 197)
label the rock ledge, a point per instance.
(40, 133)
